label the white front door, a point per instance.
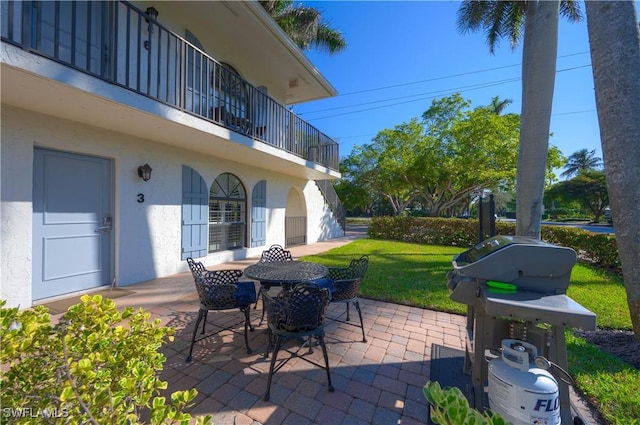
(72, 221)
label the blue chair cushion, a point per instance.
(326, 282)
(246, 293)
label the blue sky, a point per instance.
(403, 54)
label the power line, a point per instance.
(430, 95)
(470, 87)
(426, 81)
(553, 115)
(574, 112)
(440, 93)
(445, 77)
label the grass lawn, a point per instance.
(415, 275)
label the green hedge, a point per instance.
(595, 248)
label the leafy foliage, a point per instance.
(97, 365)
(428, 161)
(305, 26)
(450, 407)
(599, 249)
(504, 19)
(595, 248)
(582, 160)
(588, 188)
(555, 159)
(537, 24)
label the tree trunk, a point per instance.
(614, 37)
(538, 78)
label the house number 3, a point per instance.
(140, 197)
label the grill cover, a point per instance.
(528, 263)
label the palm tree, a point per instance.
(536, 21)
(614, 36)
(582, 160)
(304, 26)
(497, 106)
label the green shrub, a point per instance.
(450, 407)
(595, 248)
(427, 231)
(97, 365)
(561, 213)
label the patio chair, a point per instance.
(346, 281)
(274, 253)
(221, 290)
(297, 313)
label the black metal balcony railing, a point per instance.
(125, 46)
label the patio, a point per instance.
(378, 382)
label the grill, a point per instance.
(515, 287)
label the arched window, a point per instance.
(227, 213)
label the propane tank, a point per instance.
(521, 394)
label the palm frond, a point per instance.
(329, 39)
(471, 15)
(275, 7)
(304, 26)
(570, 9)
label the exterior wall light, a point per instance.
(152, 15)
(144, 172)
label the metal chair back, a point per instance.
(217, 289)
(299, 310)
(276, 253)
(296, 313)
(346, 282)
(220, 290)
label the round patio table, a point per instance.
(285, 273)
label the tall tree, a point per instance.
(389, 157)
(582, 160)
(614, 36)
(439, 160)
(589, 189)
(354, 194)
(539, 18)
(304, 25)
(555, 159)
(457, 137)
(497, 106)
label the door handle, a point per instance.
(106, 225)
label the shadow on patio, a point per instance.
(378, 382)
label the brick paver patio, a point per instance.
(377, 382)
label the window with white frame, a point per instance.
(227, 213)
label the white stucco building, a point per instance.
(93, 91)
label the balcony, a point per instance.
(125, 46)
